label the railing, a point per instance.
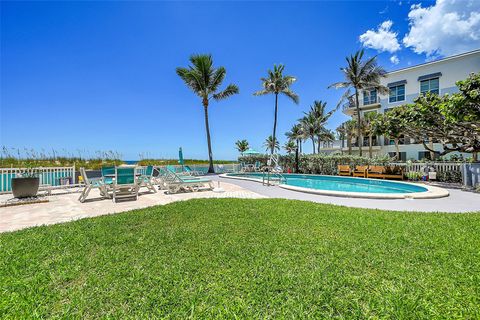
(437, 166)
(48, 176)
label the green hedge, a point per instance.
(318, 163)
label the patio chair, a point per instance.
(125, 184)
(360, 171)
(394, 172)
(344, 170)
(107, 174)
(376, 172)
(91, 183)
(174, 183)
(257, 166)
(146, 180)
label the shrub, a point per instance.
(450, 176)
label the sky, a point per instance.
(79, 77)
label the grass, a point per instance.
(232, 258)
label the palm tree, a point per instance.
(342, 133)
(317, 111)
(290, 146)
(271, 144)
(370, 127)
(276, 83)
(204, 80)
(309, 127)
(327, 137)
(351, 133)
(296, 134)
(242, 146)
(361, 75)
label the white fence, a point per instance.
(436, 166)
(219, 168)
(53, 176)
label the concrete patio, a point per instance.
(64, 207)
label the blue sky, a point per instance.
(101, 75)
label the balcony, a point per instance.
(367, 103)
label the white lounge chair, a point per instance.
(147, 180)
(92, 183)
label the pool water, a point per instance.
(343, 184)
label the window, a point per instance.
(403, 155)
(397, 93)
(429, 85)
(426, 155)
(369, 97)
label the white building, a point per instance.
(407, 84)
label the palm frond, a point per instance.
(230, 90)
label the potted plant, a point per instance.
(26, 184)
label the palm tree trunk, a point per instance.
(296, 158)
(318, 145)
(359, 131)
(397, 147)
(349, 144)
(207, 127)
(430, 144)
(370, 142)
(275, 122)
(313, 144)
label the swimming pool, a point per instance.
(349, 186)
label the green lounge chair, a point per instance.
(125, 184)
(107, 174)
(191, 172)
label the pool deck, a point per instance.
(457, 202)
(64, 207)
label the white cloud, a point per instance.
(382, 39)
(445, 28)
(394, 59)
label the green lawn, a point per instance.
(230, 258)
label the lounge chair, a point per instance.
(394, 172)
(258, 166)
(189, 171)
(376, 172)
(107, 174)
(146, 179)
(174, 182)
(125, 184)
(344, 170)
(91, 183)
(360, 171)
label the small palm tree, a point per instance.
(271, 144)
(310, 128)
(276, 83)
(317, 111)
(242, 146)
(204, 80)
(296, 134)
(360, 75)
(351, 133)
(342, 134)
(371, 127)
(290, 146)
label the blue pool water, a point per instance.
(345, 184)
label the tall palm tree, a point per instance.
(290, 146)
(327, 137)
(276, 83)
(296, 134)
(360, 75)
(204, 80)
(242, 146)
(271, 144)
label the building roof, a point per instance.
(457, 56)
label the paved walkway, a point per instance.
(458, 201)
(65, 207)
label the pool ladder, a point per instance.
(270, 175)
